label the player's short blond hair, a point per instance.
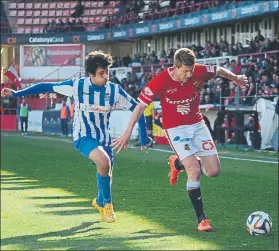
(184, 56)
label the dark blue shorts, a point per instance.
(85, 145)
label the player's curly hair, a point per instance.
(184, 56)
(97, 59)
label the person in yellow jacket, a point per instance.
(64, 117)
(148, 114)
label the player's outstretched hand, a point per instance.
(241, 81)
(6, 92)
(120, 143)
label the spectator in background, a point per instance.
(78, 9)
(60, 25)
(259, 37)
(64, 117)
(113, 78)
(23, 111)
(126, 60)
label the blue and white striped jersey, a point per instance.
(93, 105)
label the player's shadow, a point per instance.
(72, 238)
(18, 183)
(36, 242)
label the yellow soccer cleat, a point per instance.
(109, 215)
(100, 209)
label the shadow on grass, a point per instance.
(140, 187)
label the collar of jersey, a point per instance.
(97, 87)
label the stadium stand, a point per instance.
(257, 57)
(49, 17)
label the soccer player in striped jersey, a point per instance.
(94, 97)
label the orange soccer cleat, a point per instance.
(204, 226)
(173, 174)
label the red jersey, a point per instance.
(180, 101)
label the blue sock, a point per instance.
(105, 188)
(100, 197)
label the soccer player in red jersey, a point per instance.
(178, 89)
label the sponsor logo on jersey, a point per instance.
(177, 138)
(94, 108)
(171, 91)
(208, 145)
(147, 91)
(184, 101)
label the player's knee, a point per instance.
(214, 171)
(103, 163)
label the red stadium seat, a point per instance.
(12, 5)
(29, 13)
(51, 13)
(36, 21)
(28, 30)
(13, 13)
(45, 5)
(21, 13)
(36, 30)
(52, 5)
(93, 12)
(21, 5)
(29, 5)
(100, 4)
(20, 30)
(84, 20)
(60, 5)
(37, 13)
(86, 12)
(59, 13)
(44, 13)
(87, 4)
(66, 13)
(21, 21)
(43, 20)
(28, 20)
(73, 5)
(66, 5)
(37, 5)
(91, 20)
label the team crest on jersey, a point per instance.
(187, 147)
(147, 91)
(107, 97)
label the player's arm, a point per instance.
(147, 95)
(122, 141)
(125, 101)
(64, 88)
(240, 80)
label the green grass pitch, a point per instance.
(47, 188)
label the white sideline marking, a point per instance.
(149, 149)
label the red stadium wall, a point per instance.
(8, 123)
